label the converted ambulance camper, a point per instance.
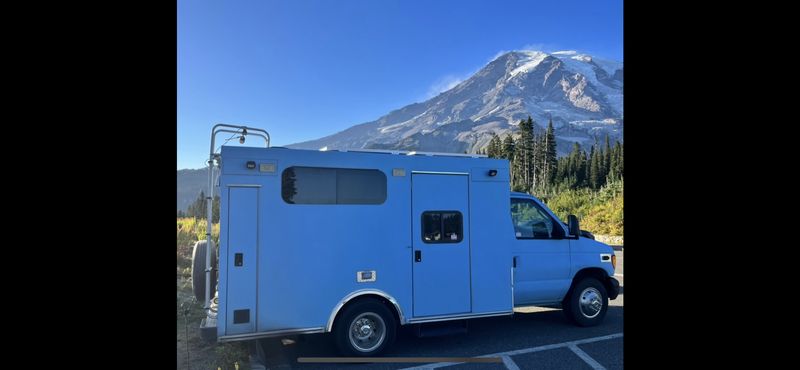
(357, 243)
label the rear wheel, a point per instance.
(365, 328)
(587, 303)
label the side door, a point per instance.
(541, 253)
(441, 242)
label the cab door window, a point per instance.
(532, 222)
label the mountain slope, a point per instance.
(582, 95)
(190, 183)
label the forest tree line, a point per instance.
(535, 168)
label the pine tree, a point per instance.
(606, 162)
(620, 160)
(573, 171)
(613, 173)
(549, 155)
(198, 208)
(215, 210)
(525, 154)
(562, 177)
(588, 168)
(494, 148)
(581, 169)
(595, 172)
(508, 147)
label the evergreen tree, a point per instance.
(494, 148)
(198, 208)
(215, 210)
(620, 160)
(508, 153)
(549, 155)
(588, 168)
(595, 171)
(562, 176)
(606, 161)
(613, 168)
(575, 169)
(525, 154)
(508, 147)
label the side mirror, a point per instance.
(574, 226)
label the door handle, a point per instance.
(515, 262)
(418, 256)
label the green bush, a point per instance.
(600, 212)
(190, 230)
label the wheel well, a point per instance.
(363, 297)
(594, 272)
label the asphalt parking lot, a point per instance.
(538, 338)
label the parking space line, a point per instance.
(585, 357)
(510, 364)
(530, 350)
(620, 275)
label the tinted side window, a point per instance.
(442, 227)
(320, 185)
(532, 222)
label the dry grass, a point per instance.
(189, 312)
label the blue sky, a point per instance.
(307, 69)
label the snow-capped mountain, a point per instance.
(582, 94)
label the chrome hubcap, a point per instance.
(367, 332)
(591, 302)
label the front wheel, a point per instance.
(364, 328)
(587, 303)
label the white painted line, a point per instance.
(510, 364)
(620, 275)
(554, 346)
(585, 357)
(432, 366)
(435, 366)
(524, 350)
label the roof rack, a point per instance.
(406, 152)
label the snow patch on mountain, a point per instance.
(529, 62)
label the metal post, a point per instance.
(209, 198)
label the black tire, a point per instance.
(365, 312)
(199, 270)
(566, 308)
(585, 313)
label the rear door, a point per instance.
(242, 248)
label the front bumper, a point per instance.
(612, 286)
